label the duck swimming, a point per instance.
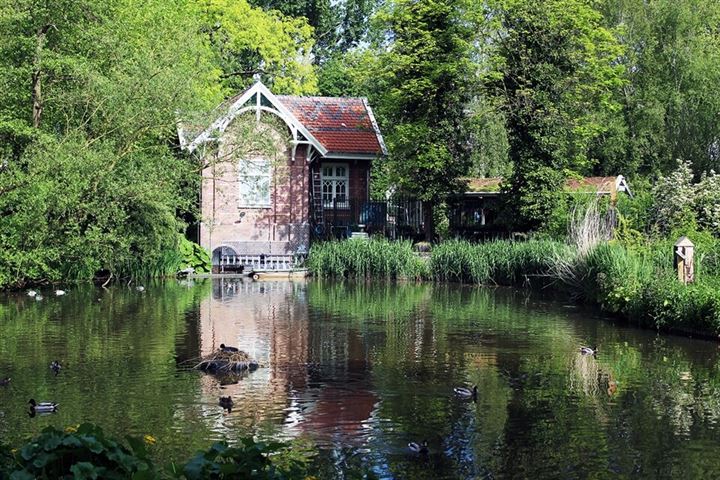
(417, 448)
(227, 349)
(59, 292)
(588, 350)
(226, 403)
(43, 407)
(464, 392)
(31, 293)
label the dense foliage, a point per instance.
(90, 177)
(90, 180)
(84, 451)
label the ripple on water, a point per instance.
(361, 370)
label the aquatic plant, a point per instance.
(375, 258)
(502, 262)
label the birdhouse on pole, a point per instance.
(684, 251)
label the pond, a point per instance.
(360, 370)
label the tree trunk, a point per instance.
(37, 101)
(429, 221)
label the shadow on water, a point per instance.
(361, 370)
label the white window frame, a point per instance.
(334, 180)
(254, 174)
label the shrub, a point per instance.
(193, 255)
(84, 452)
(249, 459)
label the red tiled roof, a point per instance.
(342, 125)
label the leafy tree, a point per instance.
(672, 63)
(338, 25)
(557, 75)
(89, 182)
(249, 42)
(427, 74)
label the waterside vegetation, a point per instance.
(639, 285)
(84, 451)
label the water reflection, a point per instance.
(361, 370)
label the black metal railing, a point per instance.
(399, 218)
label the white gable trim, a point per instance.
(621, 185)
(241, 105)
(375, 126)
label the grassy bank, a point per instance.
(638, 283)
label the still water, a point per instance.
(361, 370)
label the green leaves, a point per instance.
(248, 41)
(85, 453)
(559, 77)
(249, 459)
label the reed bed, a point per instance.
(502, 262)
(362, 259)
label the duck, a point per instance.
(418, 448)
(140, 288)
(5, 382)
(38, 297)
(464, 392)
(43, 407)
(31, 293)
(588, 350)
(59, 293)
(226, 403)
(55, 366)
(227, 349)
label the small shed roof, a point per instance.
(599, 185)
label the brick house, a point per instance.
(280, 170)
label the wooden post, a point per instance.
(684, 264)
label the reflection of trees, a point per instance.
(365, 368)
(544, 410)
(113, 375)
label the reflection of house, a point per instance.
(281, 167)
(475, 212)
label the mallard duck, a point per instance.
(43, 407)
(226, 403)
(588, 350)
(5, 382)
(55, 366)
(227, 349)
(464, 392)
(418, 448)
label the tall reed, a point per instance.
(502, 262)
(376, 258)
